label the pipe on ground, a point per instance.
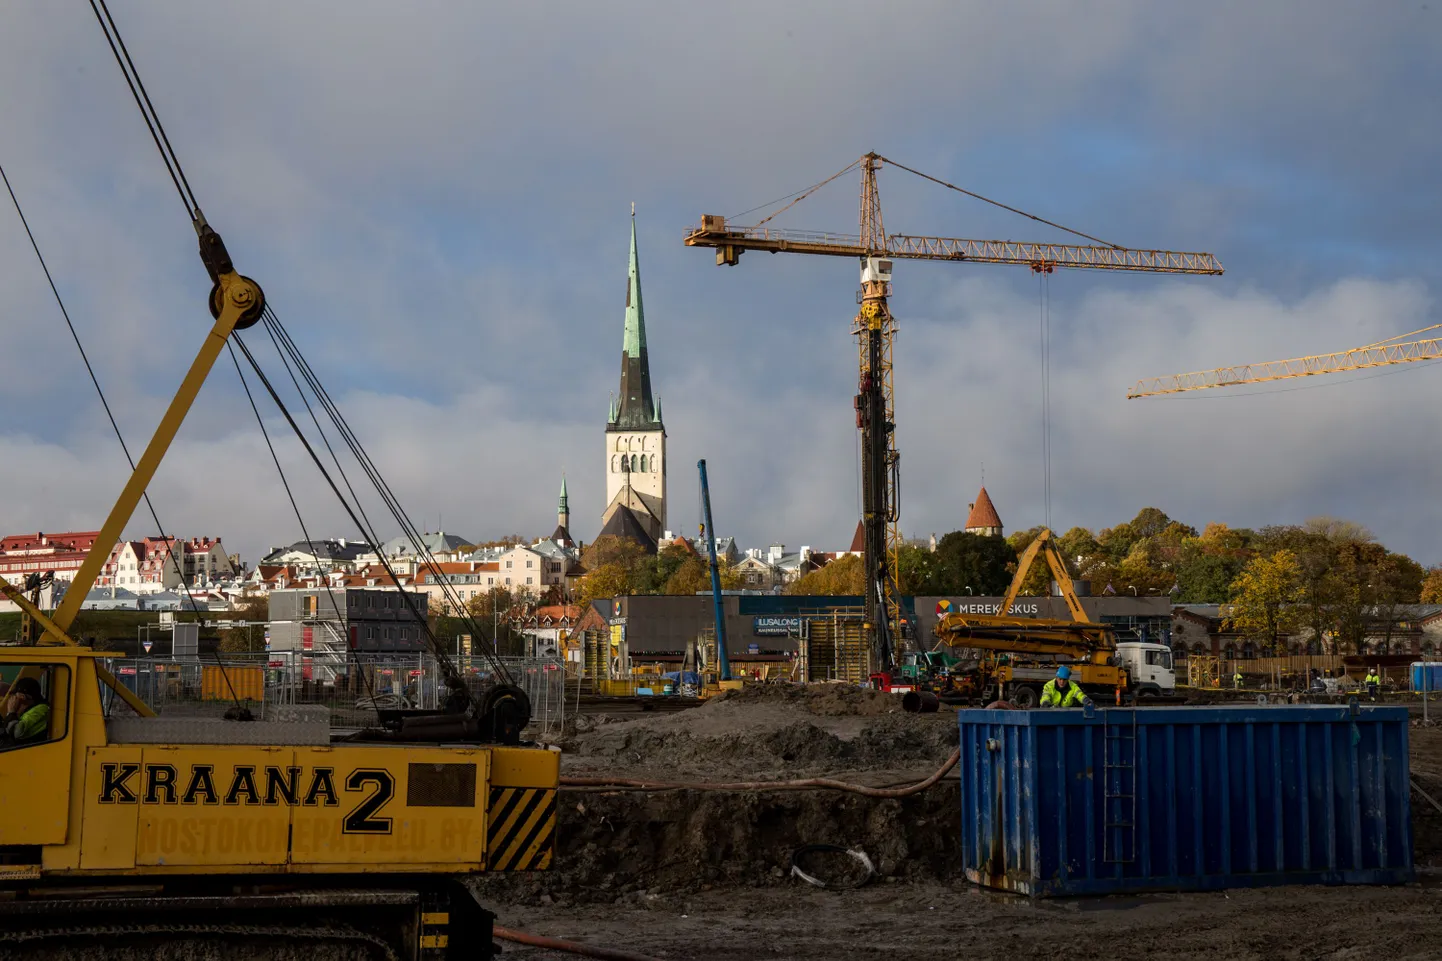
(573, 947)
(805, 784)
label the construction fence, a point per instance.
(349, 690)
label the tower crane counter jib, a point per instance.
(875, 328)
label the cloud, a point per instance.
(434, 198)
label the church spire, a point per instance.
(637, 409)
(563, 512)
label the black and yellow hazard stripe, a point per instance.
(434, 938)
(521, 828)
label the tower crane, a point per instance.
(875, 327)
(1402, 349)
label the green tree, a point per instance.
(1266, 599)
(916, 570)
(983, 564)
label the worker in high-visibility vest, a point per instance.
(1237, 680)
(1373, 682)
(1061, 692)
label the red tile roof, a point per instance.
(983, 512)
(858, 542)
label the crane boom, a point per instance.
(714, 232)
(1381, 354)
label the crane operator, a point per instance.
(27, 716)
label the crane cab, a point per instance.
(876, 270)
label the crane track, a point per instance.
(379, 947)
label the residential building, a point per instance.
(337, 554)
(155, 564)
(635, 433)
(550, 631)
(24, 554)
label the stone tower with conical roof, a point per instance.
(982, 517)
(635, 436)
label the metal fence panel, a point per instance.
(349, 689)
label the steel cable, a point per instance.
(95, 380)
(147, 109)
(998, 203)
(408, 528)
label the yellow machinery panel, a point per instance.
(345, 808)
(108, 826)
(398, 806)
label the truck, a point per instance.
(1015, 656)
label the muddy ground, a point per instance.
(693, 874)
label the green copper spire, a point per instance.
(636, 410)
(562, 508)
(635, 343)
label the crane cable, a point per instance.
(182, 185)
(95, 380)
(998, 203)
(1044, 322)
(305, 532)
(287, 346)
(147, 109)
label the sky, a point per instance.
(436, 200)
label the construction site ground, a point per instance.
(685, 874)
(702, 874)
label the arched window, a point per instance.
(634, 463)
(643, 463)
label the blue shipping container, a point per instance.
(1426, 676)
(1081, 802)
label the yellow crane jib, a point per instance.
(1395, 350)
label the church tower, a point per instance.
(635, 435)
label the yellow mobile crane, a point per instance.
(159, 827)
(1020, 654)
(875, 327)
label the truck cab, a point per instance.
(1150, 668)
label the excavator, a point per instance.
(1018, 655)
(116, 827)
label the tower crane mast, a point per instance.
(875, 328)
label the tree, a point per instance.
(1266, 599)
(1432, 587)
(253, 607)
(916, 570)
(843, 576)
(692, 576)
(972, 561)
(1038, 579)
(612, 579)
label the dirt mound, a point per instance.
(827, 700)
(614, 845)
(788, 750)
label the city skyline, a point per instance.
(1293, 147)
